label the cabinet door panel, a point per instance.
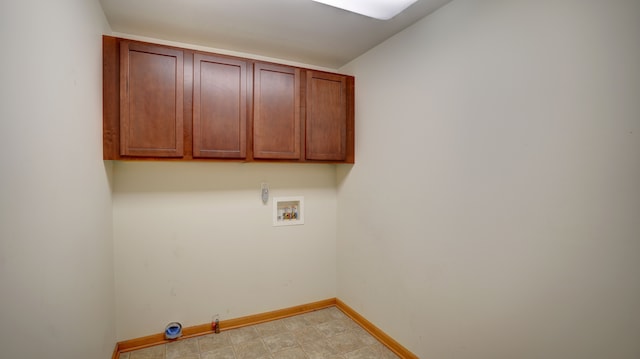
(219, 107)
(151, 101)
(326, 116)
(276, 117)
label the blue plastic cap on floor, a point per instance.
(173, 330)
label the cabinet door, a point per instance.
(276, 112)
(219, 107)
(326, 116)
(151, 100)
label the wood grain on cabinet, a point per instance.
(276, 112)
(168, 103)
(151, 100)
(219, 107)
(326, 116)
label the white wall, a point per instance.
(194, 239)
(494, 209)
(56, 249)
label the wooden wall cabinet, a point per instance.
(162, 102)
(276, 112)
(219, 107)
(151, 100)
(327, 116)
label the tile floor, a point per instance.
(322, 334)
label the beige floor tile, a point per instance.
(271, 328)
(219, 353)
(241, 335)
(364, 336)
(346, 342)
(183, 349)
(155, 352)
(213, 341)
(295, 323)
(336, 313)
(252, 349)
(333, 327)
(352, 324)
(317, 317)
(322, 334)
(278, 342)
(294, 353)
(318, 349)
(363, 353)
(308, 334)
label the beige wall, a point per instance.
(195, 239)
(494, 209)
(56, 249)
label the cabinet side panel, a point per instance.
(276, 122)
(351, 137)
(110, 98)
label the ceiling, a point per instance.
(296, 30)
